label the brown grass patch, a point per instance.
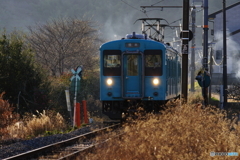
(37, 125)
(185, 132)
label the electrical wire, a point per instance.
(201, 56)
(143, 11)
(156, 9)
(130, 5)
(157, 3)
(199, 53)
(153, 10)
(175, 21)
(217, 64)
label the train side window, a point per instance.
(168, 67)
(218, 54)
(153, 62)
(112, 63)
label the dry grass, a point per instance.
(30, 126)
(37, 125)
(184, 132)
(7, 117)
(41, 124)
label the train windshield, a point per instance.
(111, 62)
(153, 62)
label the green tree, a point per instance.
(20, 78)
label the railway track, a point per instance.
(82, 151)
(67, 149)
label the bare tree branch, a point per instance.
(65, 43)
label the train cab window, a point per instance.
(153, 62)
(112, 63)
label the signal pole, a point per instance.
(75, 80)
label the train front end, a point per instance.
(132, 72)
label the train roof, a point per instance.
(134, 37)
(140, 37)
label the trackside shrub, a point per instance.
(6, 117)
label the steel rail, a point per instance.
(46, 149)
(82, 152)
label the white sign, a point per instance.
(68, 100)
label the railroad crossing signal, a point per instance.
(75, 80)
(75, 87)
(75, 73)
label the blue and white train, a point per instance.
(137, 71)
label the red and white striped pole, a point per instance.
(77, 118)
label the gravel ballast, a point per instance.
(21, 146)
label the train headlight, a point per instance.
(155, 81)
(109, 81)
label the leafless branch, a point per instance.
(65, 43)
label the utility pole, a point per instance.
(224, 57)
(205, 51)
(193, 13)
(185, 39)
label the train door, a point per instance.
(133, 77)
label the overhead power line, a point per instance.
(157, 3)
(130, 5)
(143, 11)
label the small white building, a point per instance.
(233, 43)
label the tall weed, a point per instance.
(38, 125)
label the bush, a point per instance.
(57, 96)
(7, 117)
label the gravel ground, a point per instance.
(15, 147)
